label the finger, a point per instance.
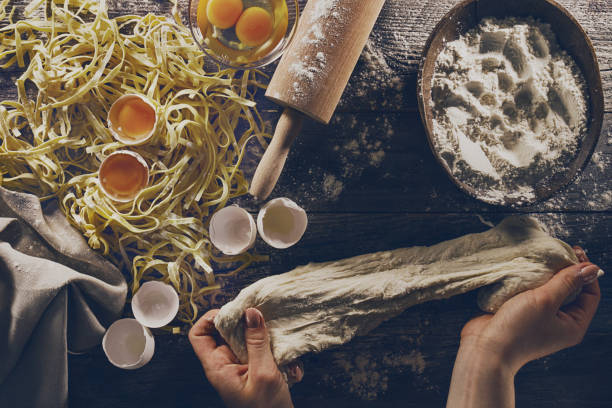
(583, 309)
(564, 284)
(201, 336)
(581, 254)
(261, 363)
(205, 326)
(226, 354)
(295, 372)
(593, 286)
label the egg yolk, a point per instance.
(254, 26)
(202, 19)
(224, 13)
(135, 118)
(122, 176)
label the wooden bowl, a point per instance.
(571, 37)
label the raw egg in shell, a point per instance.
(132, 119)
(122, 175)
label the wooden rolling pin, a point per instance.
(312, 75)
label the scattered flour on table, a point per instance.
(590, 191)
(599, 160)
(554, 224)
(361, 145)
(332, 187)
(374, 82)
(377, 69)
(364, 149)
(599, 195)
(368, 376)
(367, 146)
(510, 108)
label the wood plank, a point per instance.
(407, 360)
(369, 197)
(400, 35)
(379, 161)
(385, 77)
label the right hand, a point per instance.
(535, 323)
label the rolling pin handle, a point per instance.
(271, 165)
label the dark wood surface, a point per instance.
(369, 182)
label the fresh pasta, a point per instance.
(73, 62)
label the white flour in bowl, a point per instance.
(509, 106)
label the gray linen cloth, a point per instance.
(56, 296)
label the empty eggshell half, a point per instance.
(281, 222)
(132, 119)
(155, 304)
(232, 230)
(128, 344)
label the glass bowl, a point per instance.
(231, 58)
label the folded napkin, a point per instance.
(56, 296)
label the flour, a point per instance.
(373, 71)
(599, 160)
(332, 187)
(510, 108)
(367, 375)
(362, 145)
(367, 149)
(311, 66)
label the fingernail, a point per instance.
(589, 273)
(253, 318)
(600, 273)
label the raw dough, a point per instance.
(320, 305)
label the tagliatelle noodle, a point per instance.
(76, 62)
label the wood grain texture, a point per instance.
(405, 362)
(402, 30)
(313, 72)
(369, 182)
(381, 161)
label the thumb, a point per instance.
(258, 344)
(566, 283)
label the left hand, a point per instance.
(256, 384)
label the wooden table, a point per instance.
(369, 182)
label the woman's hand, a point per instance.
(256, 384)
(535, 323)
(531, 325)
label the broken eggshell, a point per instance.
(155, 304)
(132, 119)
(232, 230)
(281, 223)
(128, 344)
